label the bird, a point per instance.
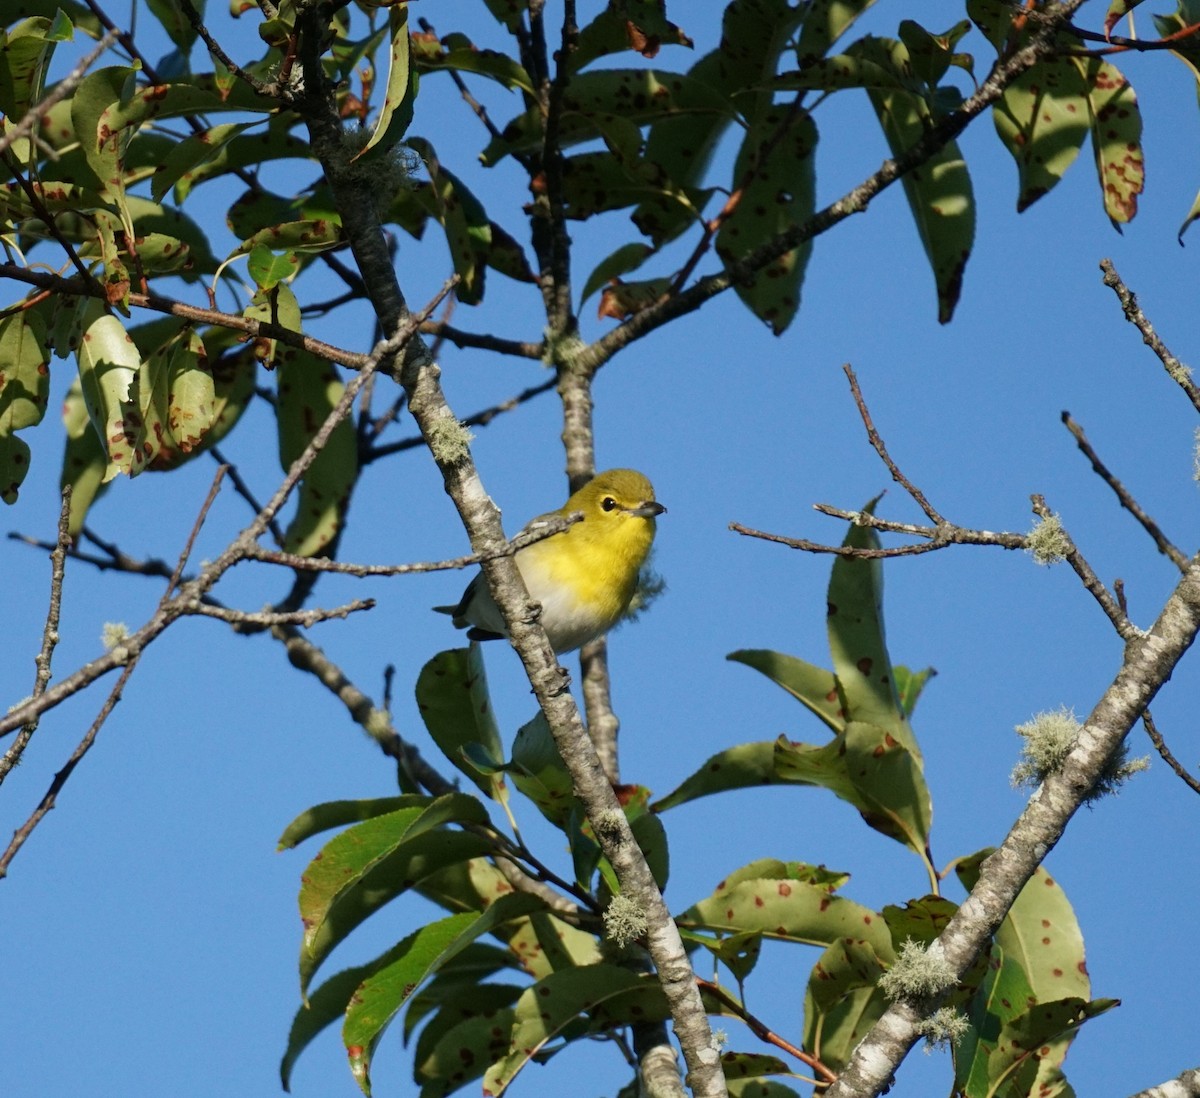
(585, 577)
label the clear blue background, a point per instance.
(151, 928)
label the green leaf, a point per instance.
(420, 955)
(638, 25)
(921, 920)
(84, 460)
(861, 664)
(331, 814)
(545, 1009)
(1117, 10)
(836, 1033)
(400, 91)
(628, 257)
(752, 1065)
(308, 390)
(461, 214)
(813, 687)
(452, 696)
(773, 189)
(415, 858)
(651, 836)
(459, 1044)
(740, 767)
(759, 1088)
(638, 95)
(347, 857)
(1041, 936)
(1003, 993)
(847, 965)
(222, 149)
(1029, 1048)
(939, 191)
(825, 21)
(539, 772)
(457, 53)
(909, 685)
(27, 48)
(108, 364)
(24, 392)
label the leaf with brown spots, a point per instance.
(793, 911)
(400, 91)
(939, 192)
(1116, 127)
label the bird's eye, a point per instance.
(608, 503)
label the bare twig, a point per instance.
(1176, 370)
(545, 528)
(1165, 546)
(159, 304)
(243, 489)
(1124, 627)
(515, 348)
(265, 619)
(50, 798)
(879, 447)
(58, 568)
(1160, 745)
(478, 419)
(762, 1031)
(195, 590)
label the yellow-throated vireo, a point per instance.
(585, 577)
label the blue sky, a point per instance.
(152, 928)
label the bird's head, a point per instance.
(618, 499)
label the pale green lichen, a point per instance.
(945, 1026)
(449, 440)
(608, 825)
(1049, 738)
(624, 920)
(1047, 541)
(114, 633)
(917, 974)
(383, 175)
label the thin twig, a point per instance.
(42, 661)
(479, 419)
(1165, 546)
(197, 589)
(50, 797)
(209, 499)
(266, 619)
(1124, 627)
(1161, 747)
(515, 348)
(243, 489)
(1176, 370)
(273, 91)
(881, 450)
(78, 287)
(762, 1031)
(543, 529)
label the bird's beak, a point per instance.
(648, 509)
